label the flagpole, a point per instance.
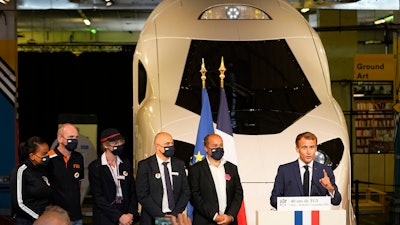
(205, 127)
(203, 72)
(224, 128)
(222, 70)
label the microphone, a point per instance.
(317, 187)
(289, 184)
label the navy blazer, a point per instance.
(103, 189)
(288, 182)
(149, 188)
(204, 195)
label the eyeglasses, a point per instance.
(70, 137)
(116, 143)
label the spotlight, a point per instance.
(384, 20)
(233, 13)
(109, 2)
(5, 2)
(86, 21)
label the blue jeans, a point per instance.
(77, 222)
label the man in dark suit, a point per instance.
(152, 184)
(217, 193)
(290, 176)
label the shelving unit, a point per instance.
(374, 126)
(374, 129)
(373, 117)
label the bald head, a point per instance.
(67, 129)
(162, 137)
(53, 215)
(161, 140)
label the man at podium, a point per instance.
(304, 176)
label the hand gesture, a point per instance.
(326, 182)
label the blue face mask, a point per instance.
(169, 151)
(117, 150)
(217, 153)
(71, 144)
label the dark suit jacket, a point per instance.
(204, 195)
(149, 188)
(103, 189)
(288, 182)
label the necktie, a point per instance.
(306, 181)
(170, 193)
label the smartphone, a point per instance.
(163, 221)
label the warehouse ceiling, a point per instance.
(130, 15)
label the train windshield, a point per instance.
(265, 86)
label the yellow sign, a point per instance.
(374, 67)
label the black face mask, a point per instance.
(71, 144)
(45, 161)
(117, 150)
(169, 151)
(217, 153)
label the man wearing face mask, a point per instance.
(161, 183)
(65, 171)
(218, 203)
(112, 183)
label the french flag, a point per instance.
(306, 217)
(224, 129)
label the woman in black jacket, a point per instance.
(29, 187)
(112, 184)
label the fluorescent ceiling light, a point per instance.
(86, 21)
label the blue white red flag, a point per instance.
(224, 129)
(306, 218)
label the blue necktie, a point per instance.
(170, 193)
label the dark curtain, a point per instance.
(50, 84)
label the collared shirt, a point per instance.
(218, 174)
(165, 207)
(302, 170)
(64, 176)
(310, 166)
(114, 172)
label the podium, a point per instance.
(307, 217)
(313, 210)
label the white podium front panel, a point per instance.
(304, 203)
(315, 217)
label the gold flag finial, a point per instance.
(222, 70)
(203, 73)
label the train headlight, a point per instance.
(234, 12)
(323, 158)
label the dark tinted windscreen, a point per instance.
(266, 89)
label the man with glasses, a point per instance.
(161, 183)
(65, 171)
(304, 176)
